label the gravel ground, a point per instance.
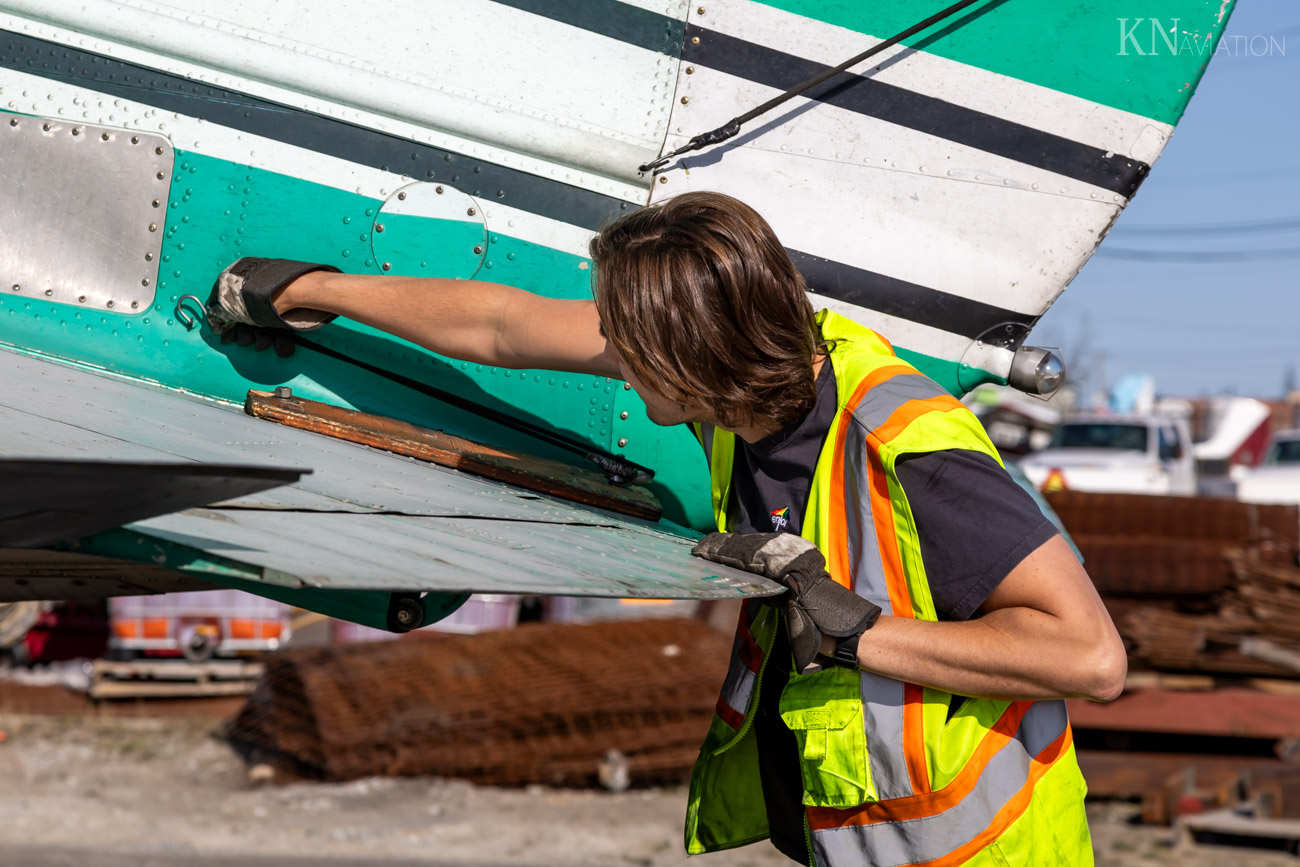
(96, 792)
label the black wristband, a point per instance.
(846, 651)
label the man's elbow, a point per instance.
(1107, 669)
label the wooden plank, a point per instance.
(526, 471)
(1260, 648)
(1222, 712)
(1232, 823)
(1115, 774)
(176, 669)
(113, 689)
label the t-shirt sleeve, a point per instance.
(975, 524)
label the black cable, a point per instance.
(617, 469)
(732, 127)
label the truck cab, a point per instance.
(1277, 479)
(1136, 454)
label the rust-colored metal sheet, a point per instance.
(526, 471)
(1155, 565)
(544, 703)
(1207, 519)
(1225, 712)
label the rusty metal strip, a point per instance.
(525, 471)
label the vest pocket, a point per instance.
(824, 710)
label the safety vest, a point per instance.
(893, 774)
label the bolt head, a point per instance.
(471, 212)
(158, 151)
(690, 70)
(686, 100)
(695, 40)
(387, 266)
(438, 190)
(663, 179)
(153, 227)
(622, 442)
(283, 392)
(699, 11)
(102, 137)
(401, 197)
(135, 139)
(623, 415)
(478, 248)
(379, 227)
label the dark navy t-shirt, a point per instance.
(975, 525)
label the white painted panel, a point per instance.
(893, 200)
(55, 98)
(471, 68)
(1063, 114)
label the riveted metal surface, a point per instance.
(427, 229)
(81, 212)
(363, 519)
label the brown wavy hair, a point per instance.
(702, 302)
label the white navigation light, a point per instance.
(1037, 371)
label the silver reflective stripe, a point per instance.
(882, 711)
(883, 400)
(882, 697)
(894, 844)
(738, 689)
(864, 549)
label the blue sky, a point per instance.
(1206, 327)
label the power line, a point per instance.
(1198, 256)
(1250, 227)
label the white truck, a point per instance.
(1135, 454)
(1277, 479)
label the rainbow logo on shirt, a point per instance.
(780, 519)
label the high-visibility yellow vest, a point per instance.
(890, 777)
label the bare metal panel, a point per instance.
(55, 411)
(81, 212)
(38, 574)
(363, 519)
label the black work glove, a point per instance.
(240, 308)
(814, 604)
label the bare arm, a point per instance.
(487, 323)
(1043, 633)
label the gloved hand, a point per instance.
(814, 604)
(240, 308)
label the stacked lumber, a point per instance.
(556, 704)
(1194, 583)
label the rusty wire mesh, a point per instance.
(542, 703)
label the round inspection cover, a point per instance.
(429, 230)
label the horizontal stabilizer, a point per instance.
(44, 502)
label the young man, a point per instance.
(933, 734)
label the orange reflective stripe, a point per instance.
(923, 805)
(910, 412)
(1013, 809)
(914, 737)
(838, 562)
(882, 513)
(728, 714)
